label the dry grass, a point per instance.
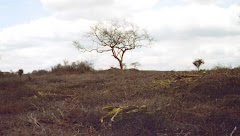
(177, 103)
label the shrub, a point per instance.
(7, 74)
(221, 67)
(74, 67)
(1, 74)
(40, 72)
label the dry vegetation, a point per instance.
(116, 103)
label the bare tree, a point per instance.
(115, 36)
(198, 63)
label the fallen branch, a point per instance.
(234, 130)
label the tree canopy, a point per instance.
(116, 37)
(198, 63)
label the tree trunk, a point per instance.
(121, 60)
(120, 64)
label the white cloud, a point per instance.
(40, 44)
(95, 9)
(182, 34)
(204, 1)
(221, 2)
(191, 20)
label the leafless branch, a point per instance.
(115, 36)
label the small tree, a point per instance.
(20, 72)
(198, 63)
(135, 64)
(115, 36)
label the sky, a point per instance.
(38, 34)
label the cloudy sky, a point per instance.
(38, 34)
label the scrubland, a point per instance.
(121, 103)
